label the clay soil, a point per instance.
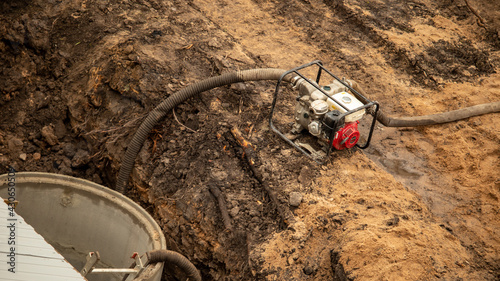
(77, 78)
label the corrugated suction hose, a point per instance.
(175, 99)
(177, 259)
(433, 119)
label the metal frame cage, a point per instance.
(371, 107)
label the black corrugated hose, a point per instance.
(174, 258)
(177, 259)
(269, 74)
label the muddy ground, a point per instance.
(78, 77)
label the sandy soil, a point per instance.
(78, 76)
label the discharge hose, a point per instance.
(171, 257)
(175, 99)
(433, 119)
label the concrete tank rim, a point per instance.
(92, 187)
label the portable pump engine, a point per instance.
(320, 113)
(328, 112)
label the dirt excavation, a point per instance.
(77, 78)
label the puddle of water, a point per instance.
(411, 170)
(399, 167)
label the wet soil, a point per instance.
(78, 76)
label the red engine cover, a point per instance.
(347, 136)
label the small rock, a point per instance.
(306, 176)
(308, 270)
(239, 86)
(132, 57)
(60, 129)
(41, 100)
(234, 211)
(311, 266)
(22, 156)
(129, 49)
(49, 135)
(69, 150)
(15, 144)
(295, 199)
(37, 156)
(80, 159)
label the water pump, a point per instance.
(338, 124)
(330, 112)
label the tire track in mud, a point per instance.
(420, 60)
